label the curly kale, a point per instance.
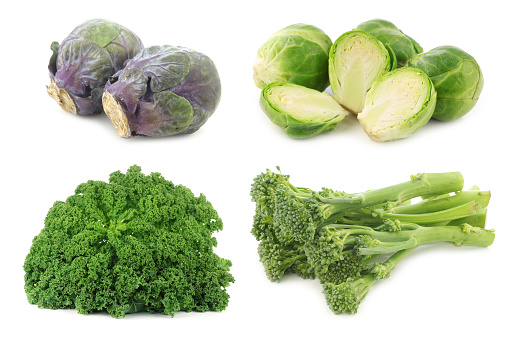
(135, 243)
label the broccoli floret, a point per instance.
(132, 244)
(265, 190)
(279, 259)
(346, 297)
(350, 266)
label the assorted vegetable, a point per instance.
(300, 111)
(344, 239)
(163, 90)
(141, 243)
(82, 63)
(135, 243)
(360, 58)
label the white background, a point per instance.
(439, 290)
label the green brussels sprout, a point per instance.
(404, 47)
(300, 111)
(356, 60)
(297, 54)
(398, 104)
(457, 78)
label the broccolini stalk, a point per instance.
(346, 297)
(462, 211)
(481, 199)
(298, 216)
(478, 219)
(333, 241)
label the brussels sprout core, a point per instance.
(117, 115)
(356, 60)
(398, 104)
(305, 104)
(300, 111)
(61, 96)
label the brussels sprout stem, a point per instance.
(61, 96)
(116, 113)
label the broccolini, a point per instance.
(342, 238)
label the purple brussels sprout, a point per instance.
(80, 66)
(163, 90)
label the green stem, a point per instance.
(397, 257)
(481, 198)
(287, 263)
(420, 185)
(364, 284)
(453, 213)
(478, 219)
(369, 217)
(465, 235)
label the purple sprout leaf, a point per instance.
(82, 68)
(52, 67)
(118, 41)
(202, 88)
(125, 46)
(166, 66)
(168, 114)
(82, 65)
(132, 85)
(100, 32)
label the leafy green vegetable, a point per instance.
(342, 238)
(404, 47)
(457, 78)
(135, 243)
(296, 54)
(300, 111)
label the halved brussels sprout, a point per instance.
(82, 63)
(404, 47)
(356, 60)
(398, 104)
(300, 111)
(457, 78)
(296, 54)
